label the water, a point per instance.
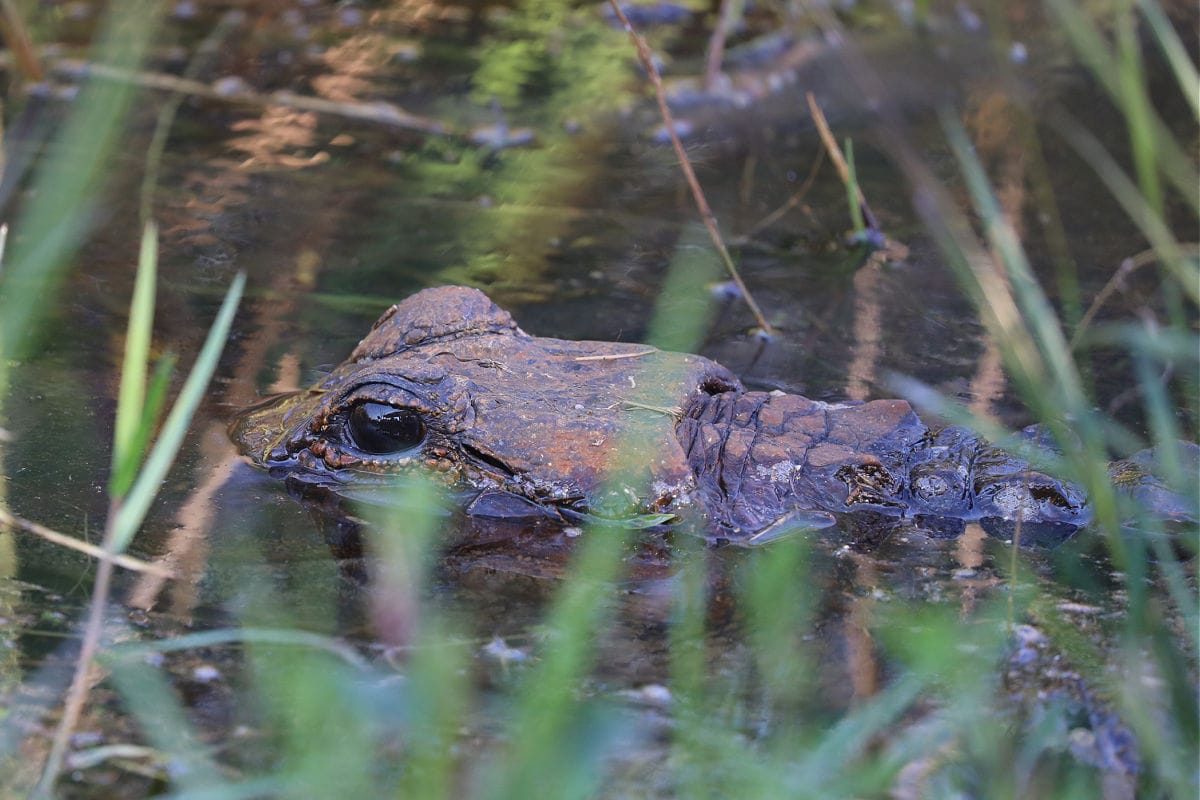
(334, 219)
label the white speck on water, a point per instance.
(206, 673)
(499, 650)
(230, 85)
(656, 693)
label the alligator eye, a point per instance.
(381, 429)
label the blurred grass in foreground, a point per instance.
(340, 725)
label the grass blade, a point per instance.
(1037, 314)
(1092, 47)
(1152, 226)
(1135, 105)
(241, 636)
(132, 394)
(149, 696)
(1173, 49)
(156, 396)
(853, 193)
(133, 510)
(57, 218)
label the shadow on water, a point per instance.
(335, 218)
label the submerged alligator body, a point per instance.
(446, 383)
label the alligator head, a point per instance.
(447, 384)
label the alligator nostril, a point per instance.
(714, 385)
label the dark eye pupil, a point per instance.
(381, 429)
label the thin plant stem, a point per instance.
(839, 161)
(16, 35)
(1126, 268)
(72, 543)
(685, 164)
(731, 10)
(125, 514)
(78, 691)
(377, 112)
(854, 194)
(793, 201)
(1126, 192)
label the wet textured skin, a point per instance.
(530, 426)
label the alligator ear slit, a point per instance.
(487, 458)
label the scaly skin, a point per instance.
(531, 426)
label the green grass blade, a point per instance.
(132, 394)
(56, 219)
(684, 303)
(544, 744)
(1152, 226)
(1178, 168)
(148, 695)
(133, 510)
(852, 193)
(224, 636)
(1135, 104)
(156, 396)
(404, 546)
(1175, 52)
(689, 684)
(1038, 314)
(852, 734)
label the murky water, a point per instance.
(333, 219)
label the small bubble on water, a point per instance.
(725, 290)
(656, 694)
(498, 649)
(762, 336)
(206, 673)
(230, 85)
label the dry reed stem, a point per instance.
(1127, 267)
(796, 199)
(617, 356)
(77, 693)
(16, 34)
(839, 161)
(379, 112)
(716, 46)
(87, 548)
(706, 216)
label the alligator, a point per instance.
(447, 384)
